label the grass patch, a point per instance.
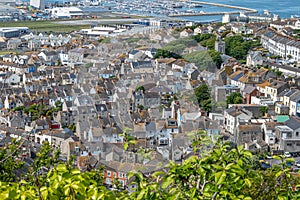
(46, 26)
(4, 52)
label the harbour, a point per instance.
(164, 9)
(197, 11)
(201, 13)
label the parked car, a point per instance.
(265, 165)
(297, 163)
(269, 156)
(287, 154)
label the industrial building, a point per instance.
(8, 2)
(39, 4)
(11, 32)
(65, 12)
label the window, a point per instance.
(121, 182)
(108, 173)
(298, 144)
(115, 175)
(121, 175)
(297, 134)
(108, 181)
(289, 144)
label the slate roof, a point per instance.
(248, 89)
(293, 123)
(236, 75)
(250, 128)
(101, 107)
(142, 64)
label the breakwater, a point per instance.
(201, 13)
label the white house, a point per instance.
(233, 116)
(65, 12)
(13, 79)
(254, 58)
(281, 45)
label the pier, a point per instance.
(246, 10)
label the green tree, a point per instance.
(128, 140)
(234, 98)
(263, 110)
(217, 170)
(238, 52)
(202, 93)
(176, 49)
(203, 60)
(207, 105)
(236, 47)
(140, 88)
(72, 127)
(19, 108)
(45, 160)
(203, 96)
(10, 160)
(210, 44)
(166, 54)
(278, 73)
(216, 57)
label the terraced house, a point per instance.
(284, 46)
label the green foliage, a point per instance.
(45, 159)
(132, 40)
(72, 127)
(222, 172)
(216, 57)
(225, 33)
(141, 107)
(19, 108)
(177, 47)
(203, 37)
(202, 94)
(10, 161)
(140, 88)
(237, 47)
(207, 104)
(278, 73)
(203, 60)
(88, 65)
(217, 170)
(38, 110)
(263, 110)
(60, 183)
(210, 44)
(58, 62)
(104, 40)
(238, 52)
(234, 98)
(166, 54)
(128, 140)
(206, 40)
